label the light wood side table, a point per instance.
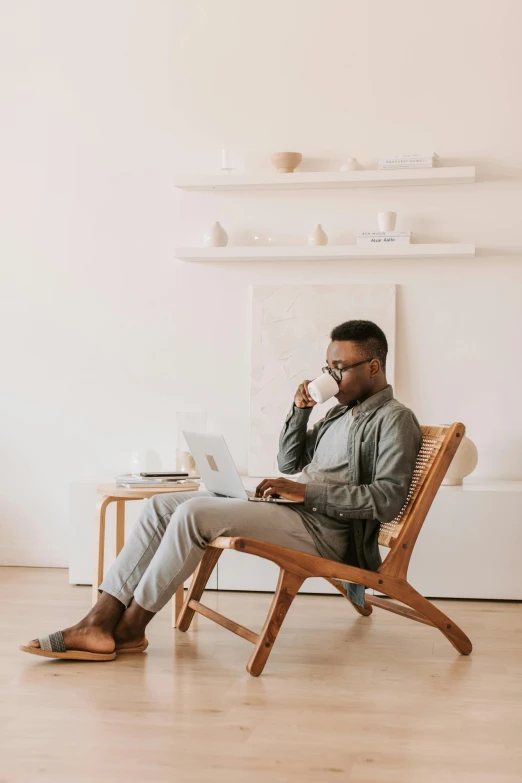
(110, 493)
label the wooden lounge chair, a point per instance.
(439, 444)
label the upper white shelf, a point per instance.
(449, 175)
(325, 253)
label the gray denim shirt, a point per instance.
(372, 484)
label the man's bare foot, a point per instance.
(86, 638)
(130, 630)
(95, 633)
(126, 634)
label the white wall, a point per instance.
(106, 335)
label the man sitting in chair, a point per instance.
(356, 468)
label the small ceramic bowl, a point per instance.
(286, 162)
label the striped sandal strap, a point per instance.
(53, 643)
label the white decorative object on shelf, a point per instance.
(286, 162)
(387, 221)
(216, 236)
(226, 161)
(463, 463)
(352, 164)
(330, 252)
(318, 236)
(259, 239)
(449, 175)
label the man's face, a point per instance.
(355, 382)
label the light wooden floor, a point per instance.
(343, 698)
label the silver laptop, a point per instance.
(217, 468)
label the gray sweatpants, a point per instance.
(172, 533)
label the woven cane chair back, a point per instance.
(432, 440)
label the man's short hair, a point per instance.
(367, 334)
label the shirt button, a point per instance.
(314, 509)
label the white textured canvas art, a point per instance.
(291, 327)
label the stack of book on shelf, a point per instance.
(157, 480)
(409, 161)
(383, 238)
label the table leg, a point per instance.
(99, 546)
(177, 603)
(120, 525)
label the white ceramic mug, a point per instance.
(323, 388)
(387, 221)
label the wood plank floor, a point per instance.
(343, 698)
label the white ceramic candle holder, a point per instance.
(387, 221)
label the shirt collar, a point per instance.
(376, 400)
(373, 402)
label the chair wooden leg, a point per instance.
(99, 546)
(286, 590)
(365, 610)
(451, 630)
(177, 604)
(197, 585)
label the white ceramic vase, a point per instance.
(463, 463)
(352, 164)
(318, 236)
(387, 221)
(216, 236)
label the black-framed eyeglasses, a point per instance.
(337, 372)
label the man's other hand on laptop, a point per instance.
(281, 488)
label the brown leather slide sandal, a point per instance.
(53, 646)
(137, 648)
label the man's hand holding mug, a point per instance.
(302, 398)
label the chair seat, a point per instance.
(302, 563)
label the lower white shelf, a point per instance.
(326, 253)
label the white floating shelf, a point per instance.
(448, 175)
(327, 253)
